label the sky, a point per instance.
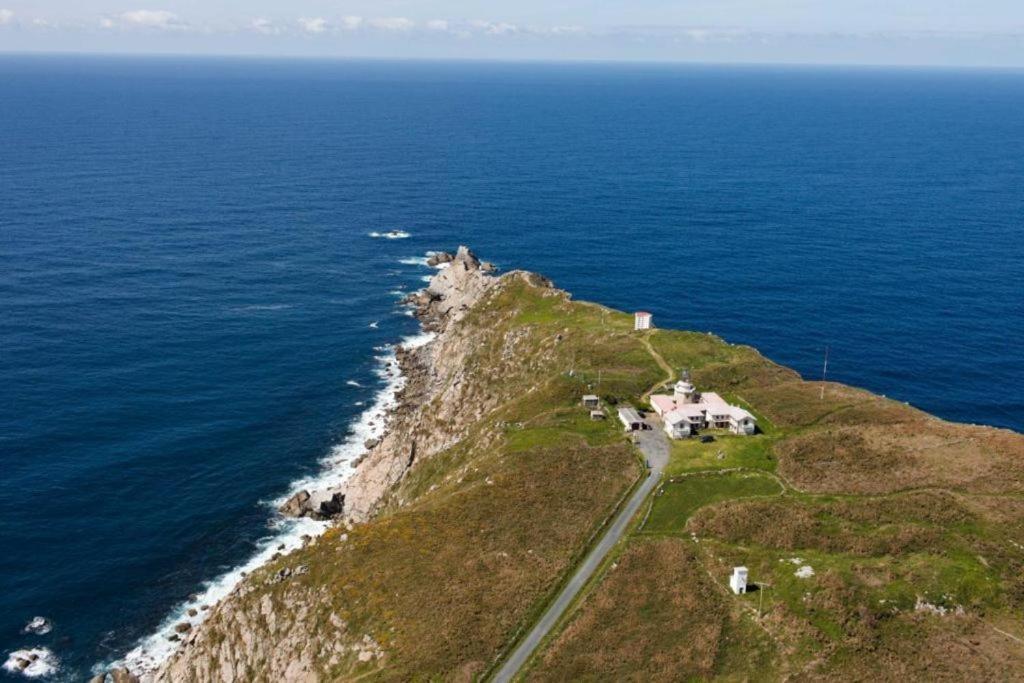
(898, 32)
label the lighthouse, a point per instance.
(684, 391)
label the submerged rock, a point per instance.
(38, 626)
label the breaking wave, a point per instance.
(391, 235)
(34, 662)
(286, 534)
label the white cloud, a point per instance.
(351, 23)
(6, 16)
(264, 26)
(392, 24)
(492, 28)
(437, 25)
(315, 25)
(148, 18)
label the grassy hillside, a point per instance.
(912, 529)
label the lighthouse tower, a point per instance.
(685, 392)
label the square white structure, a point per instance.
(642, 320)
(738, 580)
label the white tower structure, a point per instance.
(642, 320)
(685, 392)
(738, 580)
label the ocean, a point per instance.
(198, 289)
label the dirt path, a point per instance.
(670, 374)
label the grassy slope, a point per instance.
(887, 504)
(476, 538)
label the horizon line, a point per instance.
(198, 56)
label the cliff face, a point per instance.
(436, 391)
(492, 479)
(303, 619)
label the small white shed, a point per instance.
(631, 419)
(738, 580)
(591, 401)
(642, 320)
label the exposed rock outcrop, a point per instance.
(437, 407)
(439, 258)
(325, 504)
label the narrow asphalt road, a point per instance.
(654, 445)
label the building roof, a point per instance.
(663, 403)
(590, 397)
(683, 415)
(643, 313)
(710, 402)
(629, 413)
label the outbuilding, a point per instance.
(591, 401)
(642, 320)
(738, 580)
(631, 419)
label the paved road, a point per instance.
(654, 445)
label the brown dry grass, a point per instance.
(867, 527)
(930, 648)
(874, 459)
(655, 617)
(443, 586)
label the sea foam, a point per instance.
(336, 468)
(37, 661)
(391, 235)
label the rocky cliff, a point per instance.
(256, 634)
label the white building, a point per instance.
(642, 320)
(631, 419)
(687, 410)
(738, 580)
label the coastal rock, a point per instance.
(34, 662)
(440, 257)
(123, 676)
(297, 505)
(322, 505)
(38, 626)
(370, 444)
(454, 290)
(440, 390)
(327, 504)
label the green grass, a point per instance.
(676, 501)
(560, 427)
(752, 452)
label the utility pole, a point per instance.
(760, 598)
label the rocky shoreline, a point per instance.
(452, 292)
(427, 370)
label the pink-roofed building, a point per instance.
(642, 320)
(686, 411)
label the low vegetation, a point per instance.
(673, 625)
(881, 542)
(885, 544)
(677, 500)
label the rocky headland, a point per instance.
(490, 480)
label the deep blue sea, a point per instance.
(188, 281)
